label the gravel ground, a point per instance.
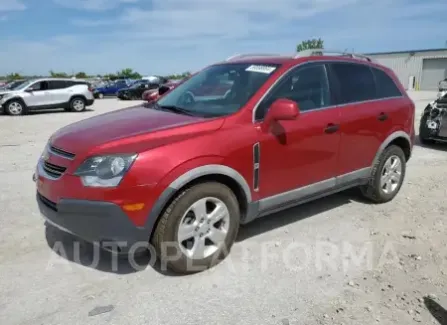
(338, 260)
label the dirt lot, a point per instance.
(339, 260)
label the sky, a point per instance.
(174, 36)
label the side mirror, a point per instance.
(29, 90)
(163, 89)
(281, 110)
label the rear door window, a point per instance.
(57, 84)
(355, 81)
(386, 87)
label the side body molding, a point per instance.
(187, 177)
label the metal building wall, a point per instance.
(407, 64)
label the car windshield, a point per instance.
(218, 90)
(23, 85)
(14, 84)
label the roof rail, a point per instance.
(311, 52)
(250, 55)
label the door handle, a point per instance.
(331, 128)
(382, 117)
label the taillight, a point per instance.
(90, 89)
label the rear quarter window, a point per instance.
(355, 82)
(386, 87)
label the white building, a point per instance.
(428, 67)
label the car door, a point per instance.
(58, 91)
(38, 95)
(298, 158)
(364, 121)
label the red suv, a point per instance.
(183, 173)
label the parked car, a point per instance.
(185, 173)
(443, 85)
(111, 89)
(155, 93)
(433, 123)
(12, 84)
(136, 90)
(47, 93)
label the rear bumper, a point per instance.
(89, 102)
(101, 223)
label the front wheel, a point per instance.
(198, 228)
(387, 176)
(15, 108)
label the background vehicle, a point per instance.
(12, 84)
(433, 124)
(135, 91)
(155, 93)
(111, 89)
(47, 93)
(443, 85)
(288, 131)
(156, 79)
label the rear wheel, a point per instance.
(198, 228)
(77, 104)
(100, 95)
(387, 176)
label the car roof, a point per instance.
(301, 57)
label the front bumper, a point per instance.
(101, 223)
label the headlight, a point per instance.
(104, 171)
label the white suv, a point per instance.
(47, 93)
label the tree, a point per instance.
(13, 76)
(128, 73)
(58, 74)
(314, 43)
(178, 76)
(81, 75)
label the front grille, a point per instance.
(52, 205)
(53, 170)
(62, 153)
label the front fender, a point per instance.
(5, 101)
(184, 174)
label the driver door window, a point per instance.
(39, 86)
(308, 86)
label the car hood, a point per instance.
(7, 92)
(131, 123)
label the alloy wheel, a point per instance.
(203, 228)
(391, 174)
(78, 105)
(15, 108)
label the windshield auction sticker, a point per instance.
(261, 69)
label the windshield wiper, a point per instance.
(172, 108)
(175, 109)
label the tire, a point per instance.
(424, 132)
(375, 190)
(172, 253)
(100, 95)
(77, 104)
(16, 107)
